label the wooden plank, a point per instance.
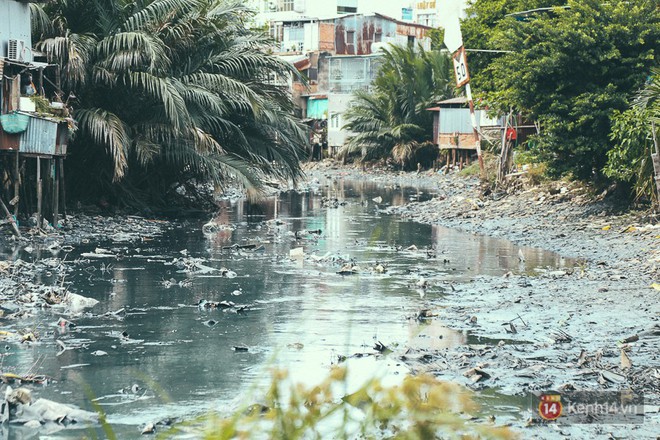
(655, 158)
(39, 193)
(10, 218)
(56, 193)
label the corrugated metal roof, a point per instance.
(457, 100)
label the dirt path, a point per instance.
(559, 330)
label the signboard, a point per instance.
(406, 14)
(460, 67)
(450, 21)
(425, 5)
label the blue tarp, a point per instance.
(317, 108)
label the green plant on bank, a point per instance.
(630, 159)
(491, 162)
(632, 133)
(391, 120)
(169, 93)
(420, 408)
(568, 68)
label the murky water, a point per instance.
(302, 314)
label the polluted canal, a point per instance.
(193, 320)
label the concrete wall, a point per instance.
(15, 24)
(337, 106)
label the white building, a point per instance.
(429, 12)
(277, 10)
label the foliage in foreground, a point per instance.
(169, 92)
(391, 120)
(630, 159)
(420, 408)
(569, 68)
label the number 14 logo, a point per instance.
(550, 407)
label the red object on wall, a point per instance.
(511, 134)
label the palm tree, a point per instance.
(392, 120)
(171, 92)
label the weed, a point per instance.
(420, 407)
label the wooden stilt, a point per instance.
(39, 192)
(655, 158)
(56, 193)
(17, 183)
(62, 187)
(10, 219)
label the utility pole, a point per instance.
(454, 42)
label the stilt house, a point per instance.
(35, 122)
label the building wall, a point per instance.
(347, 74)
(391, 8)
(429, 12)
(337, 106)
(278, 10)
(355, 35)
(15, 24)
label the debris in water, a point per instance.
(476, 374)
(348, 269)
(149, 428)
(626, 363)
(296, 253)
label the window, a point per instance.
(334, 120)
(350, 37)
(411, 40)
(378, 37)
(285, 5)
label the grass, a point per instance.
(419, 408)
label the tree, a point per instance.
(171, 92)
(391, 120)
(629, 160)
(570, 68)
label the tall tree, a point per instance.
(391, 120)
(171, 92)
(570, 68)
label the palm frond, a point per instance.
(108, 130)
(166, 93)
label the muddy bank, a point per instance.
(594, 326)
(558, 328)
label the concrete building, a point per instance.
(15, 31)
(336, 44)
(429, 12)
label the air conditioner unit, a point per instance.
(16, 50)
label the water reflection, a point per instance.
(303, 314)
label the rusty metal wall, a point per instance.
(355, 34)
(40, 137)
(350, 73)
(8, 141)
